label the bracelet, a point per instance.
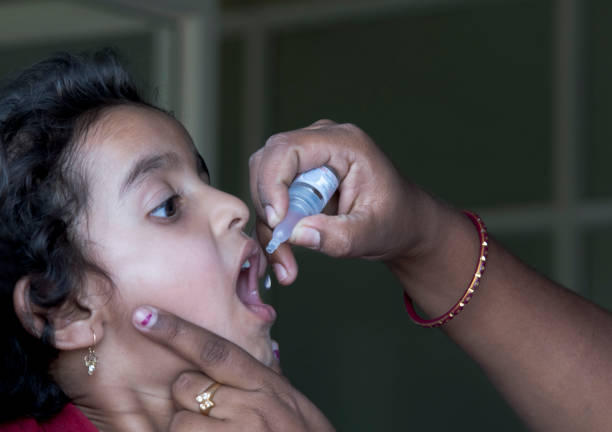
(467, 296)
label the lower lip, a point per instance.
(263, 311)
(253, 302)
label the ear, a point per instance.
(73, 325)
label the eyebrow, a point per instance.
(145, 166)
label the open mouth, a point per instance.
(247, 287)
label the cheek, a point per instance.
(187, 279)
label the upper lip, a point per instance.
(252, 252)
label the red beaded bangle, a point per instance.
(467, 296)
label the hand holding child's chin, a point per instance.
(250, 396)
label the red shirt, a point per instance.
(70, 419)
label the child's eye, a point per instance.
(168, 209)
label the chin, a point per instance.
(262, 351)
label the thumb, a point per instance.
(337, 236)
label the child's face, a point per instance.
(166, 237)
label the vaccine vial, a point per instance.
(308, 195)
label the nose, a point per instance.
(227, 212)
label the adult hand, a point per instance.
(252, 396)
(377, 211)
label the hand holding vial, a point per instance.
(308, 195)
(373, 213)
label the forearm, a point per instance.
(548, 351)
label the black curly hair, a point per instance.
(44, 114)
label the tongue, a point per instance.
(249, 296)
(245, 293)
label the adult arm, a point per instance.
(547, 350)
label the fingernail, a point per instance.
(144, 317)
(276, 349)
(306, 236)
(280, 271)
(271, 216)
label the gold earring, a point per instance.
(91, 360)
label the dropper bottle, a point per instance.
(308, 195)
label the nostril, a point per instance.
(234, 222)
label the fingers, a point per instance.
(263, 210)
(337, 236)
(284, 264)
(273, 167)
(188, 421)
(215, 356)
(190, 384)
(321, 123)
(372, 207)
(251, 397)
(282, 260)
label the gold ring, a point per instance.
(204, 399)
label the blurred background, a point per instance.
(499, 106)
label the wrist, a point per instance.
(426, 227)
(436, 273)
(471, 289)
